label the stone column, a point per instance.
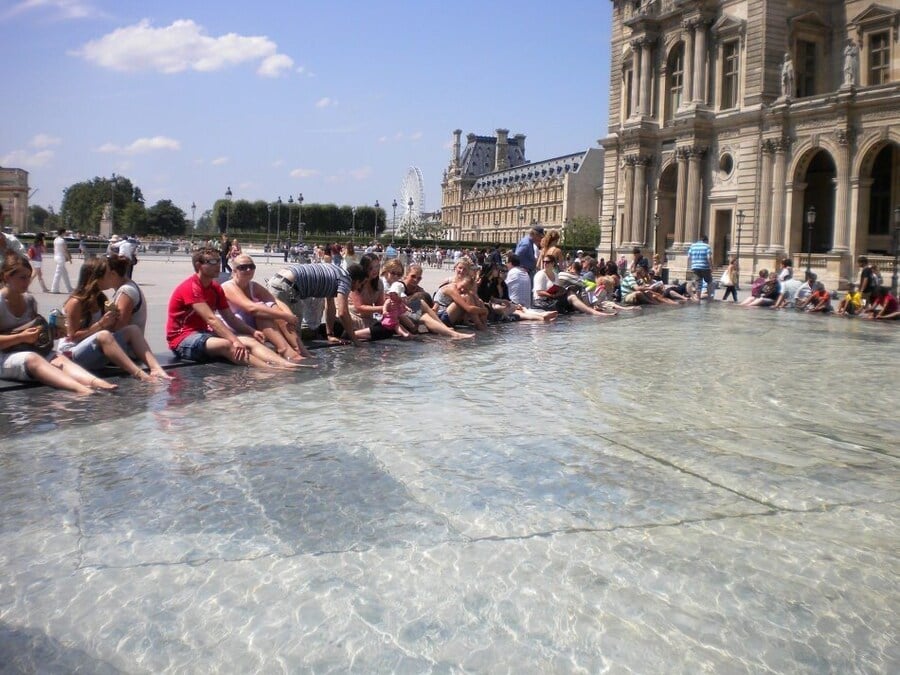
(646, 75)
(687, 91)
(765, 190)
(628, 211)
(841, 240)
(778, 226)
(694, 196)
(680, 193)
(700, 64)
(639, 209)
(635, 78)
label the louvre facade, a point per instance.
(773, 127)
(490, 191)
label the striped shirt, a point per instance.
(700, 254)
(320, 280)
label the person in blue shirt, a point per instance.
(700, 262)
(527, 247)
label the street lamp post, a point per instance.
(227, 208)
(278, 222)
(353, 224)
(409, 218)
(394, 222)
(497, 233)
(612, 236)
(377, 206)
(112, 205)
(896, 249)
(193, 220)
(740, 219)
(810, 222)
(655, 232)
(290, 204)
(268, 224)
(300, 216)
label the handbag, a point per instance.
(43, 345)
(726, 279)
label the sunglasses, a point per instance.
(549, 261)
(245, 268)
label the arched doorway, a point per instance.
(665, 209)
(821, 184)
(882, 175)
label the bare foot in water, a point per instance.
(461, 336)
(103, 385)
(550, 316)
(161, 374)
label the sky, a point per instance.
(334, 99)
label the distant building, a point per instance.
(14, 197)
(490, 191)
(741, 119)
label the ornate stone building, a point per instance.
(491, 192)
(772, 127)
(14, 197)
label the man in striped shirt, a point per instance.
(295, 283)
(700, 261)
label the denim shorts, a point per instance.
(193, 348)
(89, 355)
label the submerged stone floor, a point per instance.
(717, 501)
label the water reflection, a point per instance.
(624, 495)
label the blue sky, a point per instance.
(334, 99)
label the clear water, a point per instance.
(706, 489)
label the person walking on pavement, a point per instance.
(700, 260)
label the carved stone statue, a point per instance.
(851, 62)
(787, 76)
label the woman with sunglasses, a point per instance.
(252, 302)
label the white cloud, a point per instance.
(62, 9)
(304, 173)
(277, 163)
(141, 146)
(219, 161)
(326, 102)
(181, 46)
(273, 66)
(44, 141)
(22, 159)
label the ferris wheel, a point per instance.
(413, 188)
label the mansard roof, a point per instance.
(480, 155)
(544, 170)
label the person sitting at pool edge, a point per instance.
(195, 332)
(296, 283)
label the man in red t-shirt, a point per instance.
(195, 332)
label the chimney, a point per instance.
(520, 141)
(502, 160)
(454, 157)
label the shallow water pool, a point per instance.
(707, 488)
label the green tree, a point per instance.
(84, 202)
(581, 232)
(37, 218)
(165, 219)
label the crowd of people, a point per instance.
(346, 298)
